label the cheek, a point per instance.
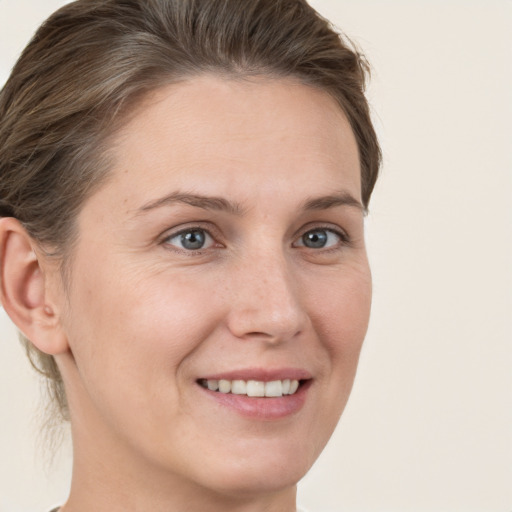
(131, 348)
(341, 314)
(126, 325)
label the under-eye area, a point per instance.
(255, 388)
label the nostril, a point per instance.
(271, 337)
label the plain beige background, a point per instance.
(429, 423)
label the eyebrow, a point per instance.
(332, 201)
(196, 200)
(221, 204)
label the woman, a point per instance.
(183, 186)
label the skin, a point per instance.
(143, 318)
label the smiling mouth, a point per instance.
(253, 388)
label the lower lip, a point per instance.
(271, 408)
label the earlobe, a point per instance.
(24, 289)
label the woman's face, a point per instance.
(226, 246)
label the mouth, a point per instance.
(254, 388)
(259, 394)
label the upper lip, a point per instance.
(261, 374)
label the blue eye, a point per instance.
(319, 239)
(191, 239)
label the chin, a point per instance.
(267, 468)
(257, 481)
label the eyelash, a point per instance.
(344, 239)
(190, 229)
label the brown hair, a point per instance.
(92, 60)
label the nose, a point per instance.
(266, 301)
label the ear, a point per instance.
(24, 289)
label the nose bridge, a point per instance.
(267, 301)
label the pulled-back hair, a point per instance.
(91, 63)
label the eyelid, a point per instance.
(198, 226)
(344, 239)
(337, 230)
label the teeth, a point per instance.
(213, 385)
(253, 388)
(224, 386)
(294, 385)
(239, 387)
(274, 388)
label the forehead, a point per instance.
(215, 133)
